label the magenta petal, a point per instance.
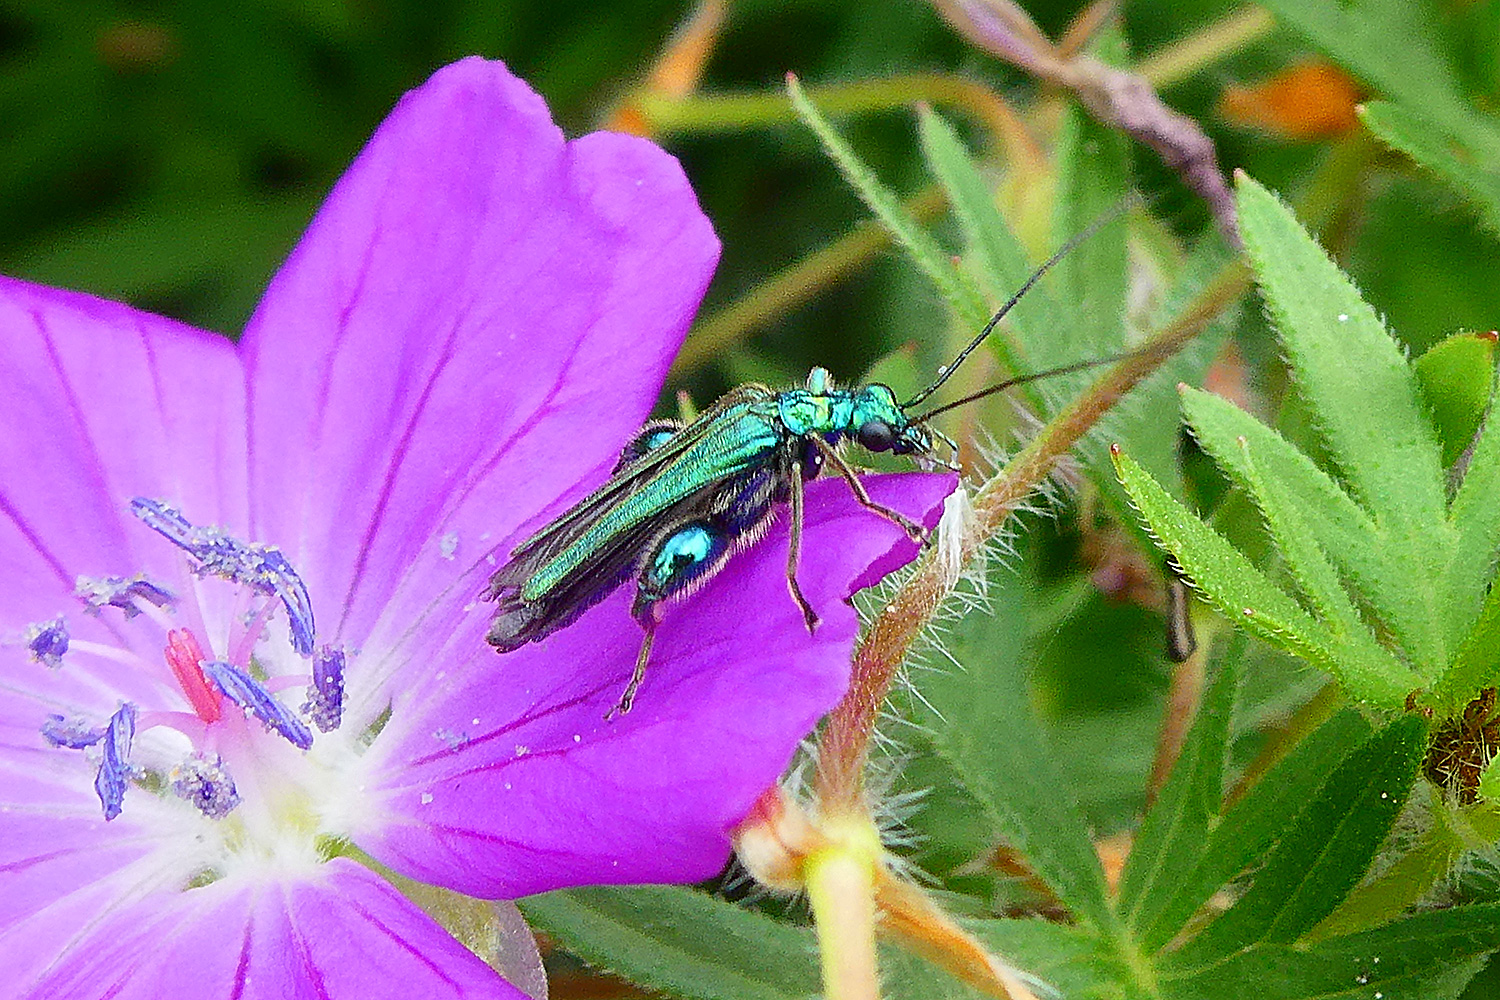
(504, 778)
(477, 319)
(341, 932)
(101, 404)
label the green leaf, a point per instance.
(1364, 398)
(680, 941)
(1457, 378)
(1458, 163)
(1475, 517)
(1358, 651)
(1175, 831)
(1430, 956)
(924, 250)
(1324, 854)
(1387, 43)
(1402, 884)
(1344, 531)
(1256, 821)
(1092, 170)
(982, 724)
(1240, 592)
(1000, 256)
(1072, 962)
(1477, 665)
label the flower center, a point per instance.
(216, 736)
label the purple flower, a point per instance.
(241, 646)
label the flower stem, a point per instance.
(888, 640)
(709, 113)
(841, 887)
(1223, 38)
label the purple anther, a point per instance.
(260, 567)
(72, 734)
(48, 641)
(205, 784)
(248, 693)
(120, 592)
(114, 765)
(325, 695)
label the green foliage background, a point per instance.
(170, 153)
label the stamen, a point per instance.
(185, 657)
(206, 785)
(260, 567)
(48, 641)
(120, 592)
(325, 695)
(72, 734)
(251, 695)
(114, 768)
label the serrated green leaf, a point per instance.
(1468, 171)
(1364, 398)
(1477, 664)
(1475, 517)
(680, 941)
(1073, 962)
(1324, 854)
(1430, 956)
(925, 252)
(1457, 377)
(1345, 533)
(982, 724)
(1256, 821)
(999, 254)
(1175, 831)
(1362, 656)
(1388, 44)
(1240, 591)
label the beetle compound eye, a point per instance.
(876, 435)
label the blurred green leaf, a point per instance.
(1175, 832)
(1395, 46)
(680, 941)
(983, 725)
(999, 255)
(1324, 854)
(1471, 172)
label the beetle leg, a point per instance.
(915, 531)
(794, 550)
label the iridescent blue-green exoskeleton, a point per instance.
(684, 498)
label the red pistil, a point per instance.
(183, 656)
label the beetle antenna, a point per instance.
(947, 371)
(1076, 366)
